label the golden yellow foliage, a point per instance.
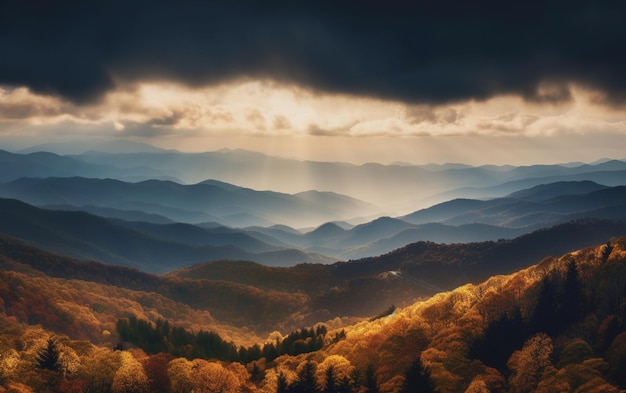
(130, 377)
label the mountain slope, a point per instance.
(545, 192)
(535, 207)
(400, 188)
(557, 325)
(216, 302)
(84, 236)
(544, 328)
(363, 286)
(196, 203)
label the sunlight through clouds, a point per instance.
(157, 112)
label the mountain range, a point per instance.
(128, 276)
(157, 243)
(397, 188)
(208, 201)
(515, 315)
(145, 246)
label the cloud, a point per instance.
(344, 130)
(20, 104)
(416, 52)
(418, 114)
(517, 123)
(157, 111)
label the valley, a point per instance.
(164, 277)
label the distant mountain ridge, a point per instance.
(145, 246)
(197, 203)
(456, 221)
(464, 220)
(357, 288)
(562, 199)
(399, 188)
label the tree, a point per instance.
(573, 299)
(306, 382)
(330, 380)
(212, 377)
(130, 377)
(543, 317)
(417, 379)
(281, 384)
(501, 337)
(529, 364)
(48, 357)
(156, 369)
(370, 380)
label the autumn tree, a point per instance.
(98, 368)
(201, 376)
(155, 367)
(529, 363)
(212, 377)
(130, 377)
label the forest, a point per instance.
(558, 325)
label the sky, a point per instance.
(481, 82)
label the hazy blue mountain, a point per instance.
(41, 164)
(92, 146)
(144, 246)
(544, 192)
(535, 207)
(399, 188)
(198, 236)
(396, 187)
(44, 164)
(202, 202)
(607, 178)
(109, 212)
(434, 232)
(460, 221)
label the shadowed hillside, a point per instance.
(145, 246)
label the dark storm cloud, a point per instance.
(435, 52)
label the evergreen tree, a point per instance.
(281, 384)
(345, 385)
(330, 385)
(48, 357)
(501, 337)
(306, 382)
(417, 379)
(543, 318)
(573, 299)
(370, 380)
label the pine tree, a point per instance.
(370, 380)
(48, 357)
(573, 299)
(417, 379)
(330, 385)
(543, 317)
(281, 384)
(306, 382)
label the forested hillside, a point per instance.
(558, 325)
